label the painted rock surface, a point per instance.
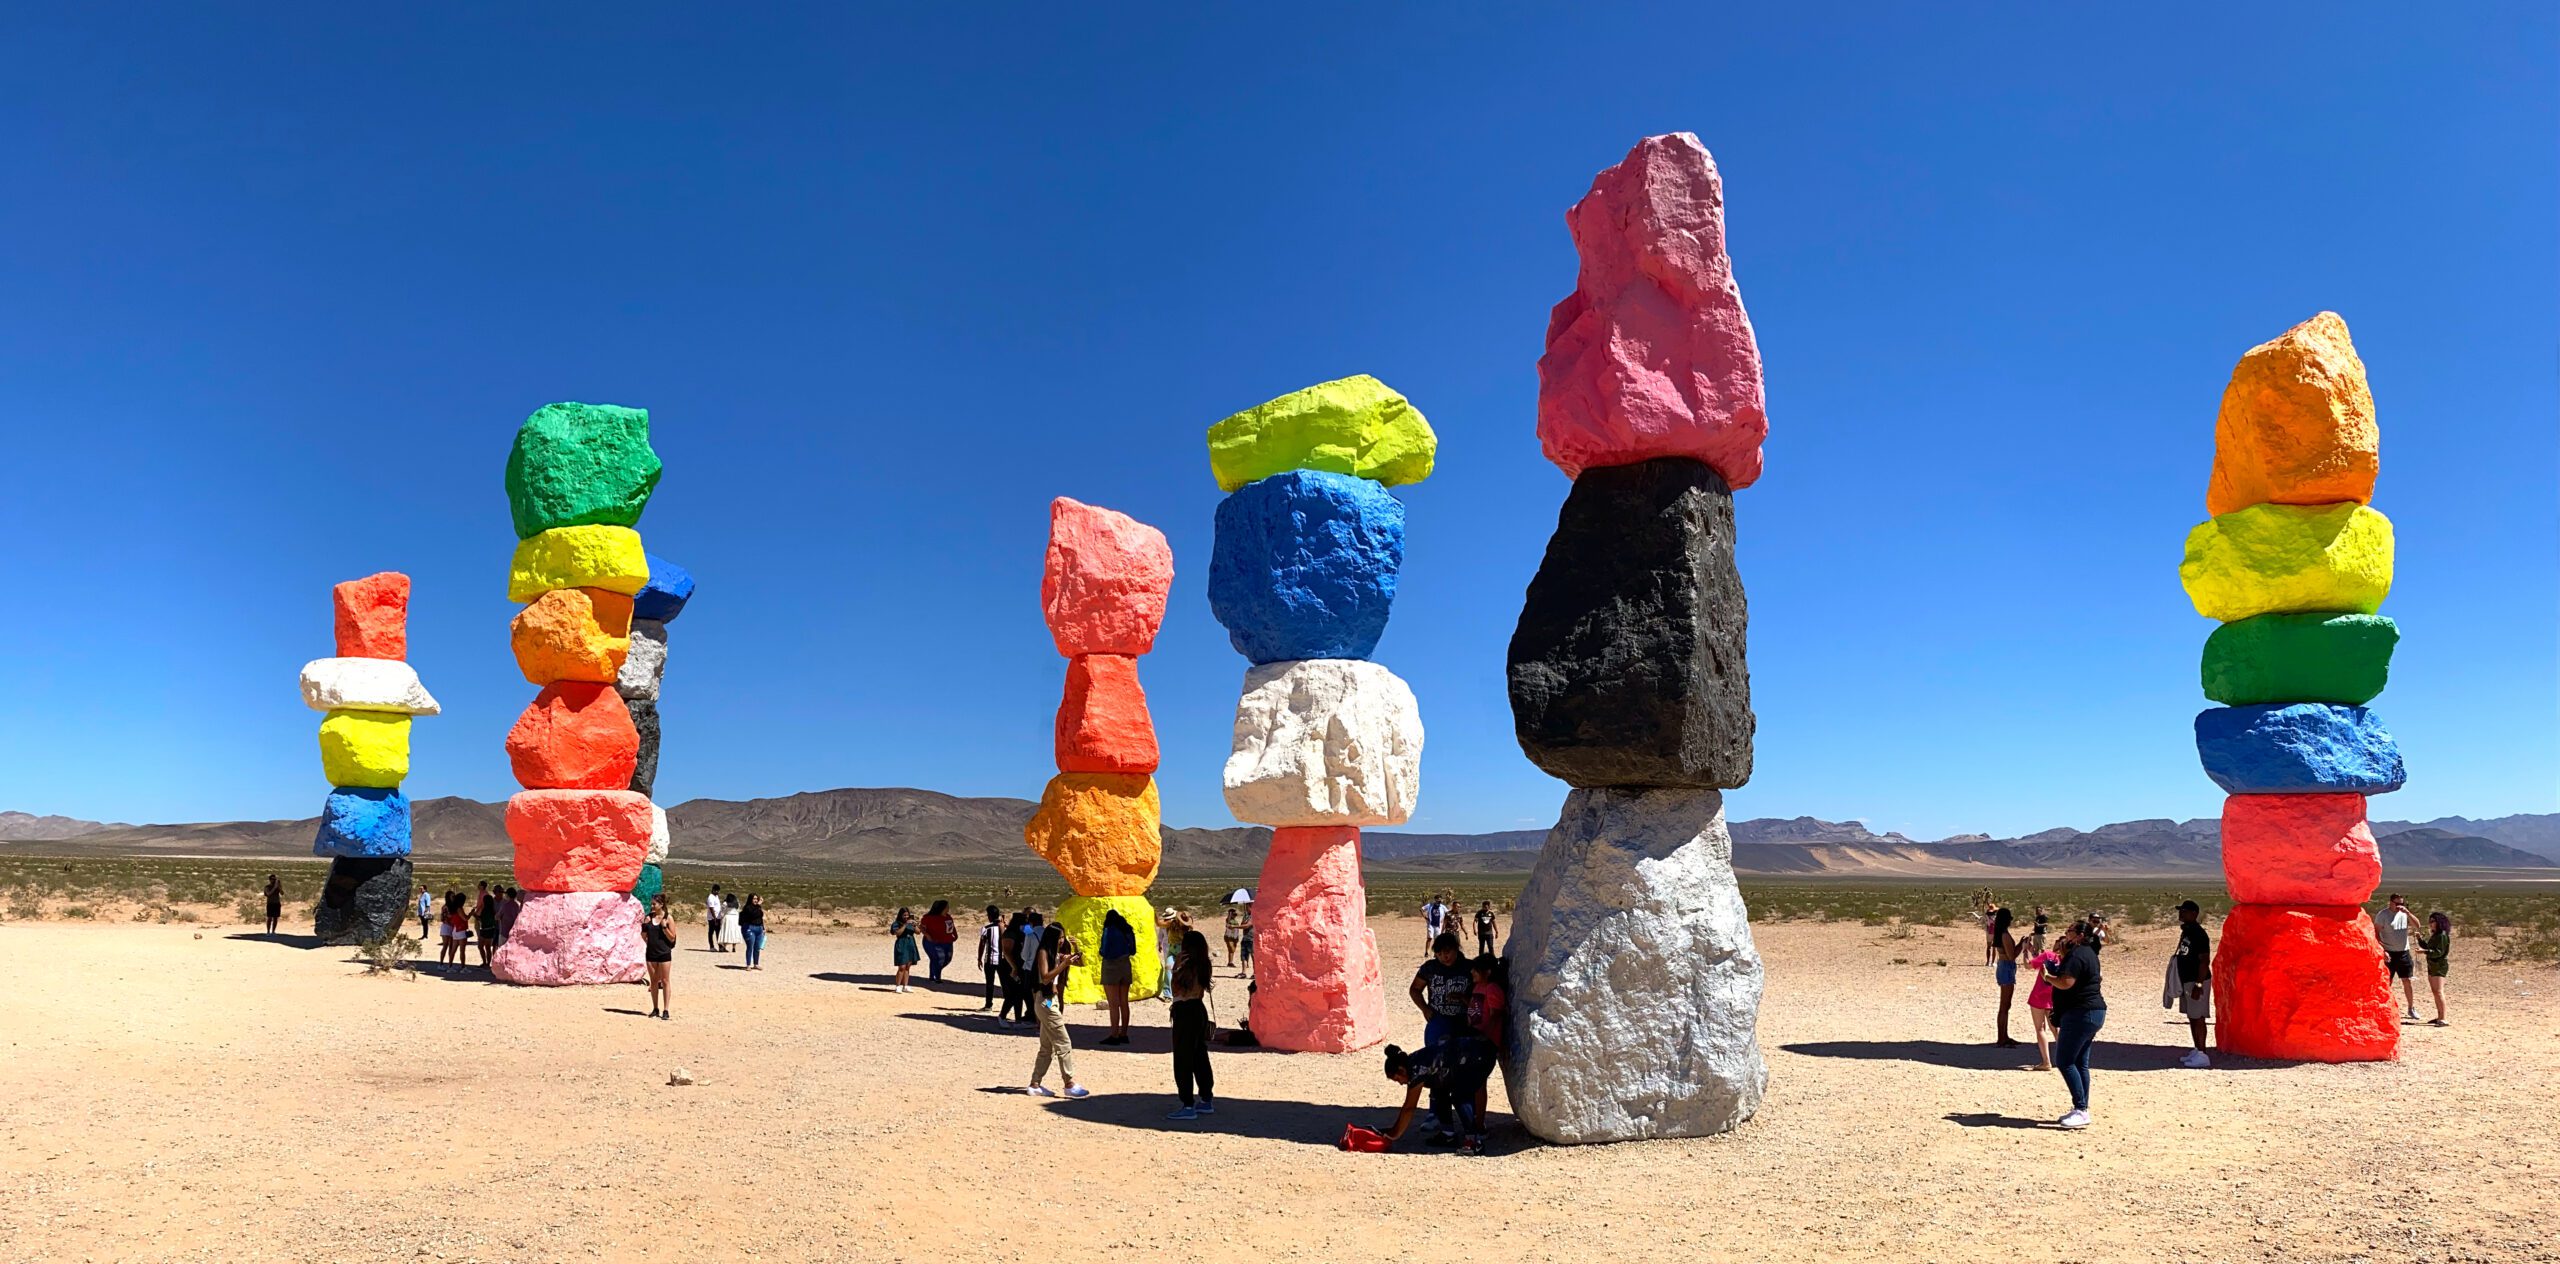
(578, 840)
(364, 749)
(1317, 984)
(564, 939)
(572, 634)
(2283, 559)
(644, 662)
(1652, 354)
(2298, 849)
(1082, 916)
(574, 736)
(372, 616)
(1354, 425)
(1103, 724)
(2297, 423)
(366, 898)
(578, 557)
(1104, 832)
(365, 684)
(661, 599)
(363, 823)
(1628, 668)
(644, 770)
(2341, 658)
(580, 465)
(1635, 987)
(2302, 983)
(1326, 741)
(2306, 748)
(1104, 586)
(646, 888)
(1305, 566)
(661, 836)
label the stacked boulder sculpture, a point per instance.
(1103, 592)
(577, 481)
(1635, 987)
(368, 693)
(2294, 562)
(644, 672)
(1309, 544)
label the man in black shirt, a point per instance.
(2079, 1010)
(2190, 989)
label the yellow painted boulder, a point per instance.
(2297, 424)
(2287, 559)
(578, 557)
(1354, 425)
(365, 750)
(1104, 831)
(1082, 916)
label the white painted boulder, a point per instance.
(365, 684)
(1635, 989)
(1325, 741)
(660, 837)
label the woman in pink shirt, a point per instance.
(2040, 1005)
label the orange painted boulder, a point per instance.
(578, 840)
(1104, 587)
(373, 616)
(2297, 424)
(1103, 724)
(577, 634)
(2298, 849)
(1103, 831)
(2303, 983)
(1317, 984)
(577, 735)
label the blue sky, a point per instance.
(277, 285)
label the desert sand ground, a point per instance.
(170, 1097)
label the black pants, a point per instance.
(1017, 1000)
(990, 997)
(1484, 944)
(1191, 1053)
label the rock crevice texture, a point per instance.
(1635, 990)
(367, 693)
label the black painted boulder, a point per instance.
(366, 898)
(1627, 667)
(644, 775)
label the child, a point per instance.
(2040, 1005)
(1488, 1005)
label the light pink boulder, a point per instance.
(1107, 578)
(1315, 970)
(565, 938)
(1652, 354)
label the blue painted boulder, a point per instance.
(2298, 748)
(357, 822)
(663, 597)
(1305, 566)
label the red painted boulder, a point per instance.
(2298, 849)
(577, 735)
(1652, 354)
(1108, 574)
(569, 938)
(2303, 983)
(1316, 976)
(373, 616)
(1103, 724)
(578, 840)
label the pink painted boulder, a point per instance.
(1316, 977)
(1107, 578)
(1652, 354)
(565, 938)
(2298, 849)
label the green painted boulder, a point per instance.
(2340, 658)
(1353, 425)
(652, 881)
(580, 465)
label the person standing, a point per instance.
(658, 954)
(1168, 946)
(1010, 973)
(731, 929)
(484, 918)
(751, 927)
(2005, 946)
(1235, 934)
(712, 912)
(1119, 956)
(456, 927)
(1486, 924)
(1056, 954)
(2190, 989)
(426, 915)
(1194, 979)
(275, 904)
(510, 903)
(940, 933)
(2042, 925)
(991, 955)
(2079, 1010)
(2392, 926)
(1245, 969)
(2040, 1005)
(1027, 965)
(1440, 991)
(1489, 1001)
(1434, 915)
(903, 952)
(2439, 948)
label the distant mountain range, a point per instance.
(869, 827)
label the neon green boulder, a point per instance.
(1354, 425)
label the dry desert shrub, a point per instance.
(394, 952)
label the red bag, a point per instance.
(1360, 1140)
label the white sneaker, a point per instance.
(2076, 1120)
(1039, 1090)
(2196, 1060)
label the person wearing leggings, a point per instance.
(2079, 1010)
(1193, 980)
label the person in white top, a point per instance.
(990, 936)
(1433, 913)
(426, 913)
(2392, 926)
(713, 911)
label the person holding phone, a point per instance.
(1057, 955)
(2079, 1010)
(658, 957)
